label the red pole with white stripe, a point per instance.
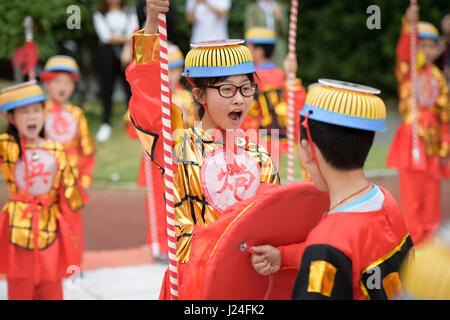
(413, 64)
(290, 93)
(168, 164)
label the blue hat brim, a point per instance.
(427, 35)
(62, 68)
(261, 40)
(210, 72)
(176, 64)
(343, 120)
(22, 102)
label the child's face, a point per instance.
(429, 49)
(226, 113)
(61, 88)
(29, 120)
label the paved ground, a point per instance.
(117, 263)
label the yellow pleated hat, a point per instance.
(20, 95)
(61, 63)
(427, 30)
(218, 59)
(176, 58)
(427, 277)
(260, 35)
(346, 104)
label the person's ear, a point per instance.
(199, 95)
(305, 152)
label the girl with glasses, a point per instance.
(208, 178)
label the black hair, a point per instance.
(12, 130)
(203, 83)
(267, 48)
(343, 148)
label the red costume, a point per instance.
(420, 181)
(354, 255)
(68, 125)
(37, 243)
(204, 185)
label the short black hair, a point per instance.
(267, 48)
(343, 148)
(203, 83)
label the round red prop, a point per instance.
(219, 265)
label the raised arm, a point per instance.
(144, 76)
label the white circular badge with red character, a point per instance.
(42, 170)
(428, 92)
(61, 127)
(225, 182)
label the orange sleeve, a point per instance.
(143, 75)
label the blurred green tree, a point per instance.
(333, 38)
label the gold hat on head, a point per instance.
(427, 30)
(61, 63)
(346, 104)
(218, 59)
(260, 35)
(20, 95)
(176, 58)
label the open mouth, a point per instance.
(31, 127)
(235, 115)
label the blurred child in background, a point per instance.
(36, 238)
(67, 124)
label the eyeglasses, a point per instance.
(229, 90)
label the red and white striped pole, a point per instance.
(168, 164)
(413, 74)
(151, 207)
(290, 93)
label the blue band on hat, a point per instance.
(261, 40)
(428, 35)
(61, 68)
(176, 64)
(22, 102)
(343, 120)
(209, 72)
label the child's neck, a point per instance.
(342, 184)
(63, 103)
(37, 141)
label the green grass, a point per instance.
(120, 154)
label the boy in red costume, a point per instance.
(356, 250)
(420, 174)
